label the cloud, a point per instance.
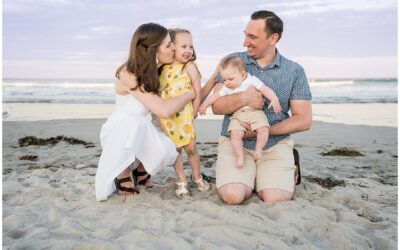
(95, 32)
(82, 37)
(319, 7)
(103, 29)
(24, 6)
(336, 67)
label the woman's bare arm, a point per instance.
(158, 106)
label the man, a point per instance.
(274, 172)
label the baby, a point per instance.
(236, 79)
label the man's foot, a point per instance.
(297, 173)
(240, 162)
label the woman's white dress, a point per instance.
(127, 136)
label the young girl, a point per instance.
(176, 79)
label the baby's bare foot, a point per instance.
(240, 162)
(257, 154)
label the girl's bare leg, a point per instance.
(194, 159)
(178, 167)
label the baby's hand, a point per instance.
(202, 110)
(275, 105)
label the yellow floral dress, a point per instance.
(179, 127)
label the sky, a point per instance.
(73, 39)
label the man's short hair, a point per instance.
(233, 61)
(273, 24)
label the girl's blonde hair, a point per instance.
(173, 33)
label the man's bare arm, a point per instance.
(300, 120)
(229, 104)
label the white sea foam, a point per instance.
(322, 83)
(102, 91)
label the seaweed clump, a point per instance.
(33, 140)
(343, 152)
(29, 157)
(327, 183)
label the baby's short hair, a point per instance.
(234, 61)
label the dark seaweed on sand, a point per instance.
(327, 183)
(28, 157)
(33, 140)
(342, 152)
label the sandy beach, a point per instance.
(343, 202)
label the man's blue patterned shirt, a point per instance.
(289, 82)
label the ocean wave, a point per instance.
(67, 85)
(102, 91)
(322, 83)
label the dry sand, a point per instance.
(374, 114)
(49, 203)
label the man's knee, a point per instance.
(232, 196)
(275, 195)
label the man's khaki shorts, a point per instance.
(275, 169)
(256, 118)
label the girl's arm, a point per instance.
(194, 75)
(158, 106)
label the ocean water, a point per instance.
(102, 91)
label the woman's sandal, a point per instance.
(201, 184)
(181, 189)
(136, 173)
(124, 189)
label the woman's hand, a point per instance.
(191, 94)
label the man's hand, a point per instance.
(248, 133)
(254, 98)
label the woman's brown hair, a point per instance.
(142, 56)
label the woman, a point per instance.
(128, 138)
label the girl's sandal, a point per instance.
(124, 190)
(181, 189)
(201, 184)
